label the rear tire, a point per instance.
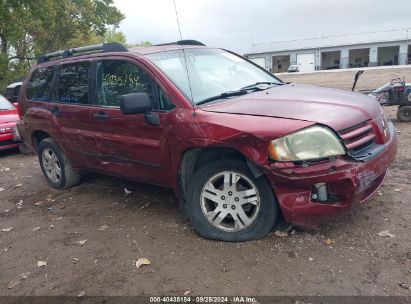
(404, 113)
(226, 202)
(56, 167)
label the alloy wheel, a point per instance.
(51, 165)
(230, 201)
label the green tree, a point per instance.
(29, 28)
(114, 35)
(142, 43)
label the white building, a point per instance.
(337, 52)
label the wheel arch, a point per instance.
(36, 137)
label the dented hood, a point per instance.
(335, 108)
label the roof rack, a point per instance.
(98, 48)
(184, 42)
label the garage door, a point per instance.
(306, 62)
(259, 60)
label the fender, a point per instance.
(40, 118)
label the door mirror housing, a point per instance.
(135, 103)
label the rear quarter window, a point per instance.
(39, 86)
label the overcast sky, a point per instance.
(237, 24)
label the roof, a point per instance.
(144, 50)
(111, 47)
(330, 41)
(13, 85)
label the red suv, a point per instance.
(238, 146)
(9, 137)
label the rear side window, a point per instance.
(39, 86)
(119, 77)
(73, 84)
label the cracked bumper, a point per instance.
(350, 183)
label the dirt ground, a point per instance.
(372, 78)
(345, 257)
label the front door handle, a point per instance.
(100, 116)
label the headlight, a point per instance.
(308, 144)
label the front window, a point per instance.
(5, 104)
(118, 77)
(211, 72)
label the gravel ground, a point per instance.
(343, 79)
(87, 239)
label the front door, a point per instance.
(127, 144)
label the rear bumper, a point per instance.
(349, 182)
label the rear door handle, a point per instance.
(55, 111)
(100, 116)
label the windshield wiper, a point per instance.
(260, 85)
(263, 85)
(223, 95)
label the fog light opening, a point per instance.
(320, 192)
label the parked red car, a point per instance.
(9, 116)
(238, 146)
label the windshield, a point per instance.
(211, 72)
(5, 104)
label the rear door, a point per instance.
(127, 144)
(71, 106)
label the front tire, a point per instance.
(56, 167)
(404, 113)
(226, 202)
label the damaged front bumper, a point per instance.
(305, 202)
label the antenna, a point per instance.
(184, 54)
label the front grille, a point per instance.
(358, 138)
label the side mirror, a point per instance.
(135, 103)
